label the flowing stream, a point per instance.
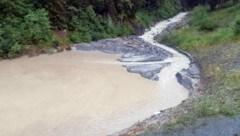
(80, 93)
(167, 77)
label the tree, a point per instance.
(58, 12)
(36, 27)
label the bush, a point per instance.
(15, 49)
(201, 19)
(78, 37)
(236, 25)
(10, 35)
(36, 27)
(167, 9)
(87, 26)
(207, 107)
(125, 29)
(144, 18)
(208, 24)
(16, 32)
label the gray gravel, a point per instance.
(214, 126)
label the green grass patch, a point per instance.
(203, 30)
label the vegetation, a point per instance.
(32, 24)
(207, 29)
(201, 19)
(165, 10)
(236, 26)
(26, 27)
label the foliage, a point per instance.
(213, 4)
(162, 10)
(236, 25)
(58, 12)
(207, 107)
(87, 26)
(144, 18)
(192, 37)
(16, 32)
(201, 19)
(36, 28)
(167, 9)
(9, 36)
(28, 23)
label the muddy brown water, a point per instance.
(84, 93)
(70, 94)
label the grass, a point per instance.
(191, 38)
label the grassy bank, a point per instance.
(215, 45)
(207, 29)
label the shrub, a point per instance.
(229, 107)
(15, 49)
(36, 27)
(201, 19)
(78, 37)
(167, 9)
(208, 24)
(236, 25)
(207, 107)
(144, 18)
(10, 35)
(16, 32)
(87, 26)
(125, 29)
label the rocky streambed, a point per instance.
(145, 56)
(173, 69)
(138, 56)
